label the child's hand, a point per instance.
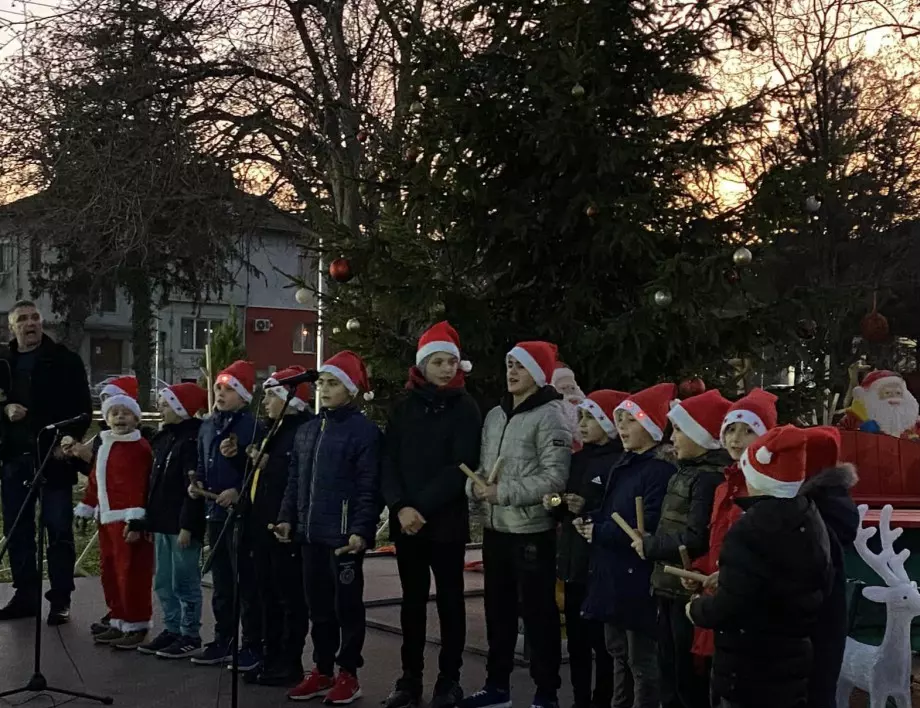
(72, 448)
(229, 446)
(355, 545)
(228, 497)
(691, 585)
(132, 536)
(282, 531)
(185, 538)
(15, 412)
(410, 520)
(490, 494)
(639, 547)
(193, 490)
(712, 581)
(585, 528)
(574, 502)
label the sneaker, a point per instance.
(103, 625)
(130, 641)
(345, 690)
(108, 636)
(18, 608)
(544, 702)
(314, 684)
(180, 648)
(275, 674)
(213, 654)
(160, 642)
(248, 660)
(59, 615)
(447, 694)
(487, 697)
(406, 694)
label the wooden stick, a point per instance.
(684, 557)
(640, 516)
(496, 470)
(688, 574)
(627, 529)
(203, 493)
(476, 479)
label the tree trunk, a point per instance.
(142, 346)
(73, 325)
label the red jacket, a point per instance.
(117, 489)
(724, 514)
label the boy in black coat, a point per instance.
(775, 574)
(584, 493)
(431, 431)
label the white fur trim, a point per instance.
(121, 399)
(131, 626)
(598, 413)
(275, 390)
(529, 363)
(644, 420)
(750, 419)
(434, 347)
(466, 366)
(763, 456)
(679, 416)
(84, 511)
(885, 381)
(235, 384)
(297, 404)
(762, 483)
(341, 376)
(102, 457)
(112, 390)
(561, 373)
(174, 403)
(132, 514)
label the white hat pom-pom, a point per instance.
(466, 366)
(764, 456)
(368, 395)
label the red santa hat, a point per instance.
(538, 358)
(601, 405)
(349, 368)
(121, 386)
(301, 394)
(700, 418)
(441, 337)
(757, 410)
(822, 448)
(775, 463)
(120, 399)
(241, 377)
(650, 407)
(186, 399)
(875, 380)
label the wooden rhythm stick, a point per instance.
(640, 516)
(684, 557)
(476, 479)
(496, 470)
(688, 574)
(203, 493)
(627, 529)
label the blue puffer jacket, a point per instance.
(333, 488)
(619, 590)
(215, 471)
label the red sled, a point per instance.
(888, 468)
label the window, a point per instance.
(7, 256)
(107, 298)
(304, 339)
(196, 332)
(35, 254)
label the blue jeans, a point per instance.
(177, 583)
(57, 516)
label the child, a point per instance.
(433, 429)
(529, 433)
(177, 522)
(619, 594)
(222, 465)
(684, 522)
(115, 495)
(331, 501)
(774, 573)
(585, 493)
(279, 576)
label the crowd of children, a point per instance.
(608, 501)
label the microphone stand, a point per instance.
(38, 683)
(232, 530)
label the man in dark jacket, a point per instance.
(43, 383)
(432, 430)
(775, 573)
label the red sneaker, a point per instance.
(345, 690)
(314, 684)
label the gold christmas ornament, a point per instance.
(353, 325)
(662, 298)
(742, 257)
(578, 91)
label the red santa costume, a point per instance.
(883, 404)
(116, 495)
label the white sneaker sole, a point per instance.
(355, 696)
(310, 696)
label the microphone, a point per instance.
(306, 377)
(82, 418)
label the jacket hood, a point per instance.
(666, 452)
(842, 476)
(417, 382)
(712, 458)
(545, 395)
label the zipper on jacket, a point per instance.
(319, 439)
(345, 517)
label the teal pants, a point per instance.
(177, 583)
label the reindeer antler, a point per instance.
(887, 564)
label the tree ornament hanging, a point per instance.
(416, 107)
(353, 325)
(591, 211)
(806, 329)
(662, 298)
(742, 257)
(361, 136)
(812, 205)
(336, 330)
(578, 91)
(302, 296)
(691, 387)
(874, 326)
(340, 270)
(413, 153)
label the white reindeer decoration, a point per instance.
(883, 671)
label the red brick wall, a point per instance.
(276, 347)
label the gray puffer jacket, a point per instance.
(535, 444)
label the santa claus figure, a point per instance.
(882, 404)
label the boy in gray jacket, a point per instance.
(529, 432)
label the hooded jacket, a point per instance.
(535, 444)
(215, 471)
(169, 507)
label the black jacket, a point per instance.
(587, 478)
(685, 517)
(169, 507)
(430, 432)
(56, 390)
(269, 490)
(830, 491)
(775, 573)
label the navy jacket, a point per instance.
(215, 471)
(619, 589)
(333, 484)
(169, 507)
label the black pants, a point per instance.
(57, 516)
(635, 667)
(334, 588)
(417, 559)
(222, 579)
(587, 646)
(520, 580)
(279, 596)
(682, 685)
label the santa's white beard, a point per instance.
(893, 420)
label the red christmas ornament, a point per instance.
(340, 270)
(361, 136)
(691, 387)
(874, 326)
(591, 211)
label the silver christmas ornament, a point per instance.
(742, 257)
(353, 325)
(812, 204)
(578, 91)
(336, 330)
(663, 298)
(302, 296)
